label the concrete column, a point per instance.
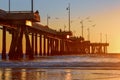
(48, 46)
(52, 46)
(44, 45)
(15, 51)
(56, 47)
(40, 43)
(105, 49)
(4, 43)
(19, 51)
(67, 48)
(64, 46)
(32, 40)
(61, 46)
(89, 50)
(100, 50)
(29, 51)
(13, 44)
(36, 48)
(92, 48)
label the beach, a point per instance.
(84, 67)
(57, 74)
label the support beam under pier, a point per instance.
(40, 45)
(44, 53)
(32, 41)
(36, 48)
(15, 51)
(48, 46)
(29, 51)
(4, 44)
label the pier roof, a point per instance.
(19, 16)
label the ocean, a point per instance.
(84, 67)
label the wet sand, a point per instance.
(57, 74)
(83, 67)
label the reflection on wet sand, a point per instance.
(23, 74)
(68, 75)
(34, 74)
(5, 74)
(57, 74)
(20, 74)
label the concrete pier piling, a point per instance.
(4, 43)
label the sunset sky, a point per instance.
(105, 14)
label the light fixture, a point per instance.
(28, 23)
(68, 36)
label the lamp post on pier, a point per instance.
(100, 37)
(106, 38)
(81, 27)
(9, 5)
(68, 8)
(32, 5)
(48, 17)
(88, 29)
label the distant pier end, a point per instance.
(80, 46)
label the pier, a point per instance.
(51, 42)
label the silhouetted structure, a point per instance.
(51, 42)
(80, 46)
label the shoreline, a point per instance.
(84, 66)
(89, 65)
(95, 62)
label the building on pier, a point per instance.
(80, 46)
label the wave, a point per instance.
(88, 62)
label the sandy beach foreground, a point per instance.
(83, 67)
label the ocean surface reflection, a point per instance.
(57, 74)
